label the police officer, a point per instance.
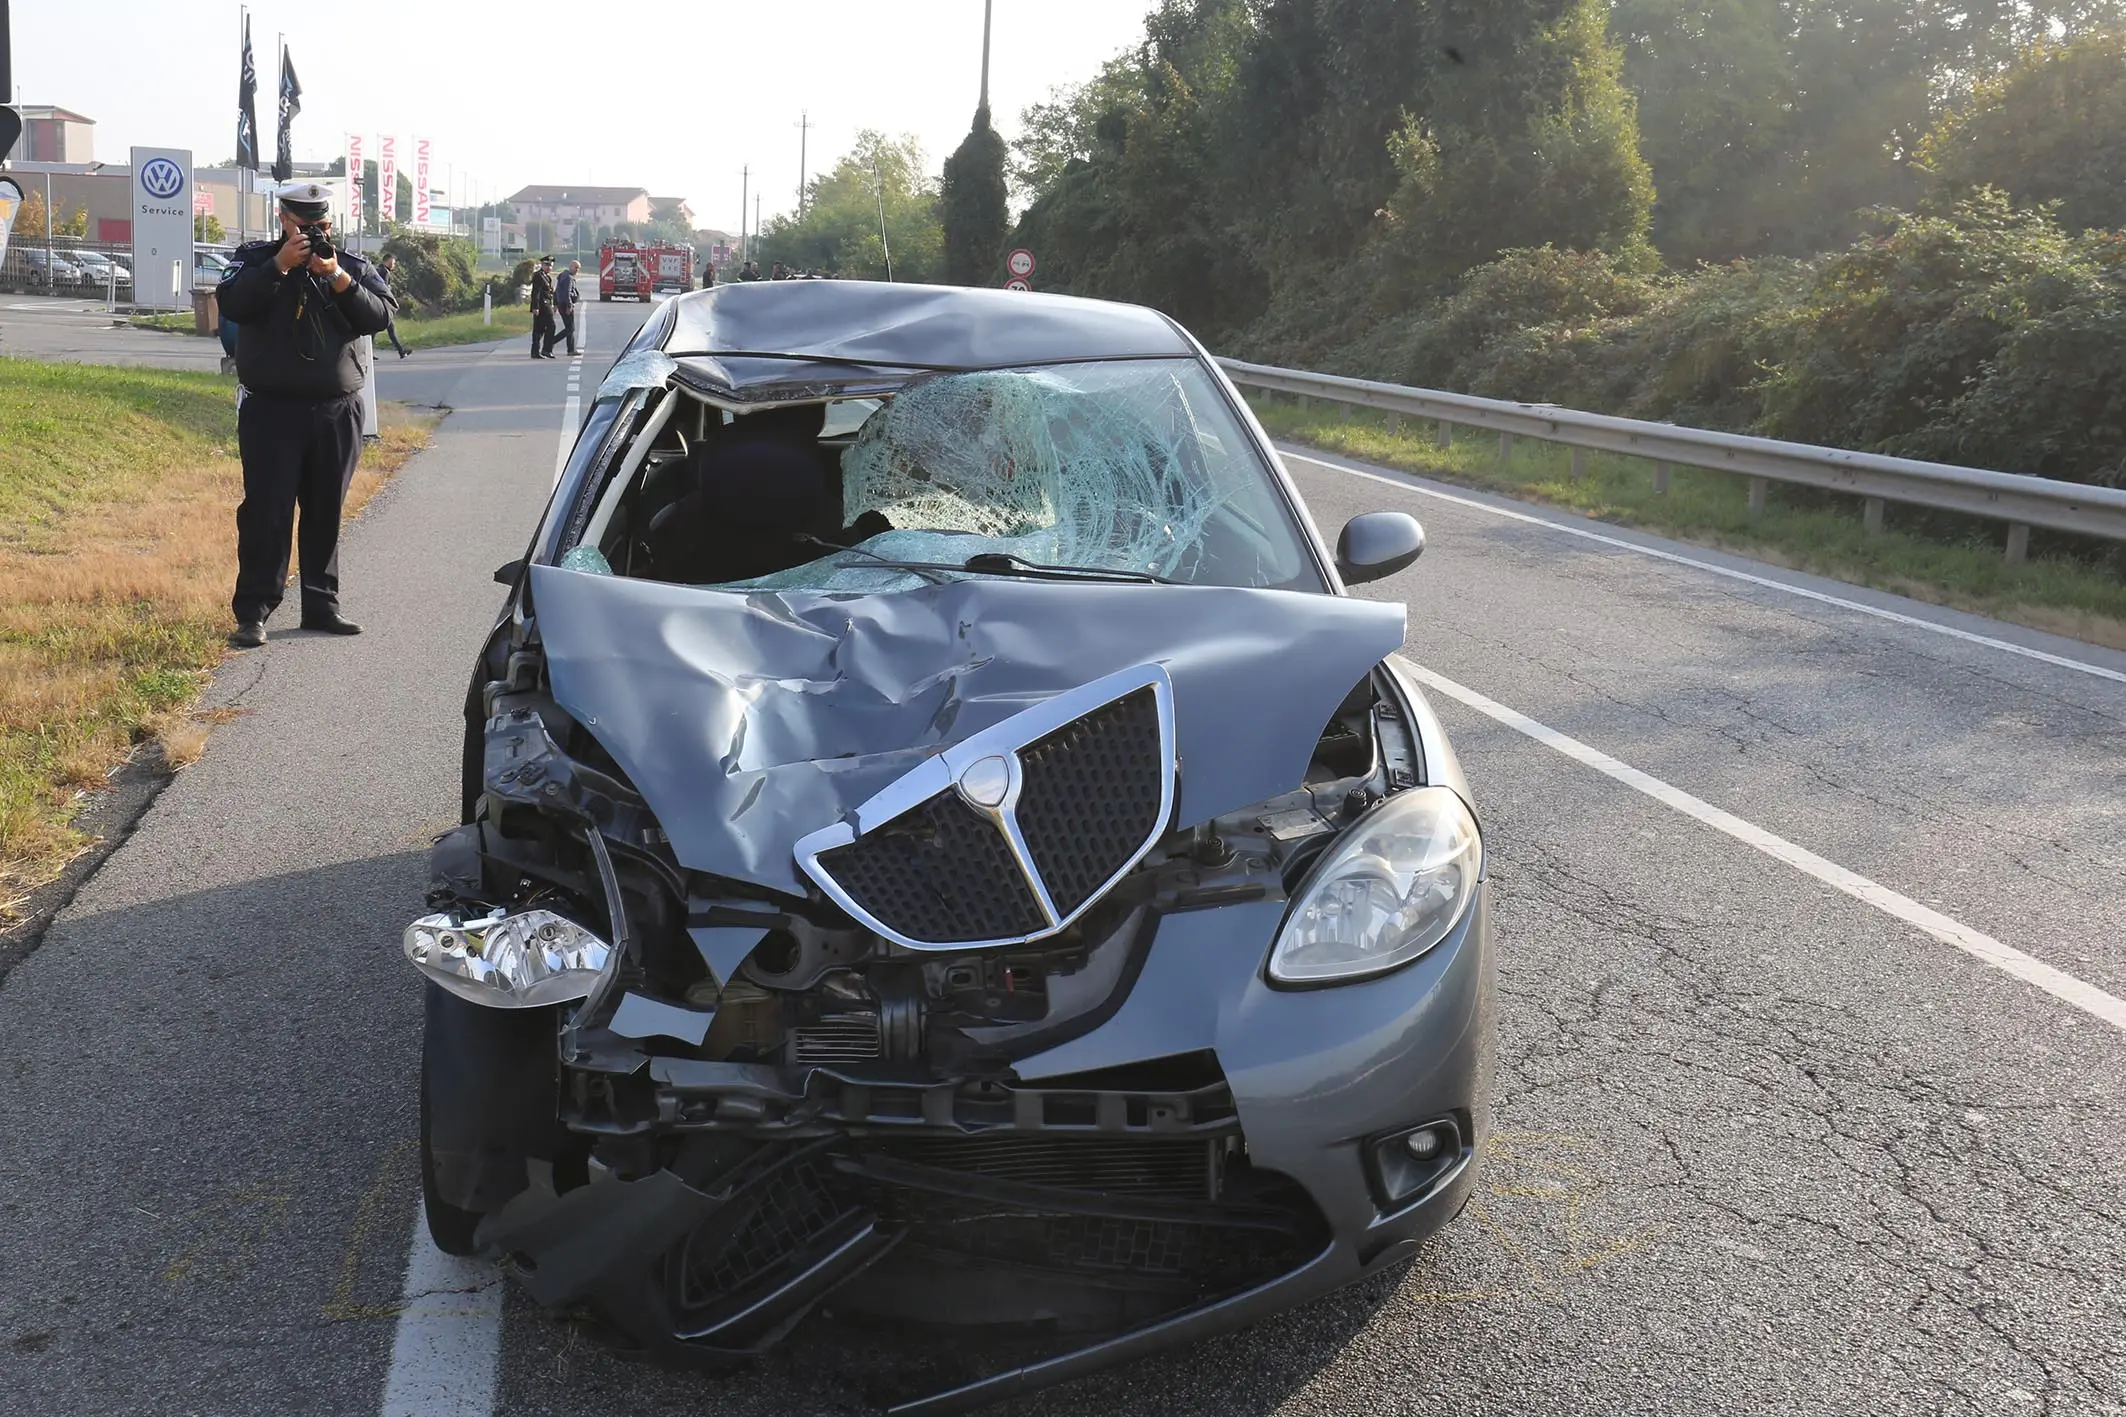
(301, 309)
(542, 308)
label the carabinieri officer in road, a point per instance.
(301, 308)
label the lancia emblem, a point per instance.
(986, 782)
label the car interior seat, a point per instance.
(762, 490)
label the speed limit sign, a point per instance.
(1016, 284)
(1020, 263)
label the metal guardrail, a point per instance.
(2021, 501)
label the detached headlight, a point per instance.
(508, 961)
(1394, 887)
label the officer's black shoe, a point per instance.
(331, 622)
(249, 635)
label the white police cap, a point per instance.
(307, 201)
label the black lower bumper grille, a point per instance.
(785, 1216)
(1181, 1170)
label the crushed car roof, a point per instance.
(776, 332)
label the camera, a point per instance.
(320, 243)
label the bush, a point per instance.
(435, 272)
(1982, 335)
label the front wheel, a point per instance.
(451, 1227)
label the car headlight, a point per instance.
(1393, 887)
(508, 961)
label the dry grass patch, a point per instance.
(118, 493)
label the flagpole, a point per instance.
(243, 198)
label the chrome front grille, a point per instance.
(1011, 834)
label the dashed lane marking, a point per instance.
(1410, 484)
(1953, 933)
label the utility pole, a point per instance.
(986, 7)
(745, 177)
(878, 185)
(804, 131)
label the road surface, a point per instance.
(1809, 907)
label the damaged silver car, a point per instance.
(940, 844)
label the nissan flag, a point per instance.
(420, 182)
(354, 182)
(387, 178)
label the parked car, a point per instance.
(207, 268)
(941, 842)
(101, 268)
(52, 268)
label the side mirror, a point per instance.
(1377, 544)
(509, 572)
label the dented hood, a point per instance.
(749, 720)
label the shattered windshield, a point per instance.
(1133, 466)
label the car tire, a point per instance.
(451, 1227)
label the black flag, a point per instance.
(247, 108)
(291, 104)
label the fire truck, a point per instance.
(634, 271)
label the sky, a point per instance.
(678, 98)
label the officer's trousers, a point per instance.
(542, 333)
(296, 455)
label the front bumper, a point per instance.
(1311, 1081)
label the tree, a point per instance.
(974, 205)
(2047, 130)
(207, 227)
(1528, 138)
(839, 232)
(667, 223)
(1769, 124)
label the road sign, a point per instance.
(1016, 284)
(1020, 263)
(162, 227)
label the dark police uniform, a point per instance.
(301, 361)
(542, 308)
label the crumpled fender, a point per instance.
(749, 720)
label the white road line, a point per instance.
(449, 1338)
(1982, 947)
(572, 411)
(2079, 666)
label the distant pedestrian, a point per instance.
(542, 308)
(388, 268)
(567, 296)
(708, 274)
(781, 272)
(749, 271)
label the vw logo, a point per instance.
(162, 178)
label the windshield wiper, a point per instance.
(1004, 563)
(930, 573)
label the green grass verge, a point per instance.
(177, 322)
(415, 331)
(2067, 589)
(432, 331)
